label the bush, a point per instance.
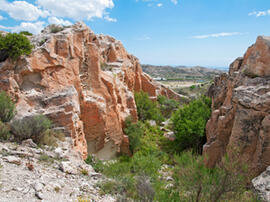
(4, 131)
(26, 33)
(189, 124)
(167, 106)
(56, 28)
(134, 132)
(50, 137)
(144, 188)
(196, 182)
(146, 108)
(7, 108)
(30, 127)
(14, 45)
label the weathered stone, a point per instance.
(261, 185)
(38, 186)
(13, 160)
(240, 119)
(29, 143)
(39, 195)
(170, 135)
(68, 167)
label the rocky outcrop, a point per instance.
(241, 110)
(84, 83)
(261, 185)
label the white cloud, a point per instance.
(110, 19)
(77, 10)
(159, 5)
(174, 1)
(22, 10)
(1, 17)
(260, 13)
(222, 34)
(57, 21)
(34, 28)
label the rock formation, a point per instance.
(84, 83)
(261, 185)
(241, 110)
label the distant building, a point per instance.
(159, 79)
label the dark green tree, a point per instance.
(14, 45)
(189, 124)
(146, 108)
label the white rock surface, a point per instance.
(261, 185)
(46, 182)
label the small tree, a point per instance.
(7, 107)
(14, 45)
(146, 108)
(134, 131)
(26, 33)
(189, 124)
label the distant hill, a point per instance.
(181, 72)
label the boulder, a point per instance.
(261, 185)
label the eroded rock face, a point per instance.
(241, 110)
(82, 81)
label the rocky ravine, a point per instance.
(241, 110)
(84, 83)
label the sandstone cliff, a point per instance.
(84, 83)
(241, 110)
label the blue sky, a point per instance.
(161, 32)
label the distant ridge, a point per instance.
(182, 72)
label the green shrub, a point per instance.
(196, 182)
(7, 107)
(189, 124)
(4, 131)
(167, 106)
(144, 188)
(95, 163)
(134, 131)
(42, 42)
(14, 45)
(50, 137)
(30, 127)
(146, 108)
(84, 172)
(89, 160)
(56, 28)
(26, 33)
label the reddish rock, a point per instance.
(241, 110)
(63, 79)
